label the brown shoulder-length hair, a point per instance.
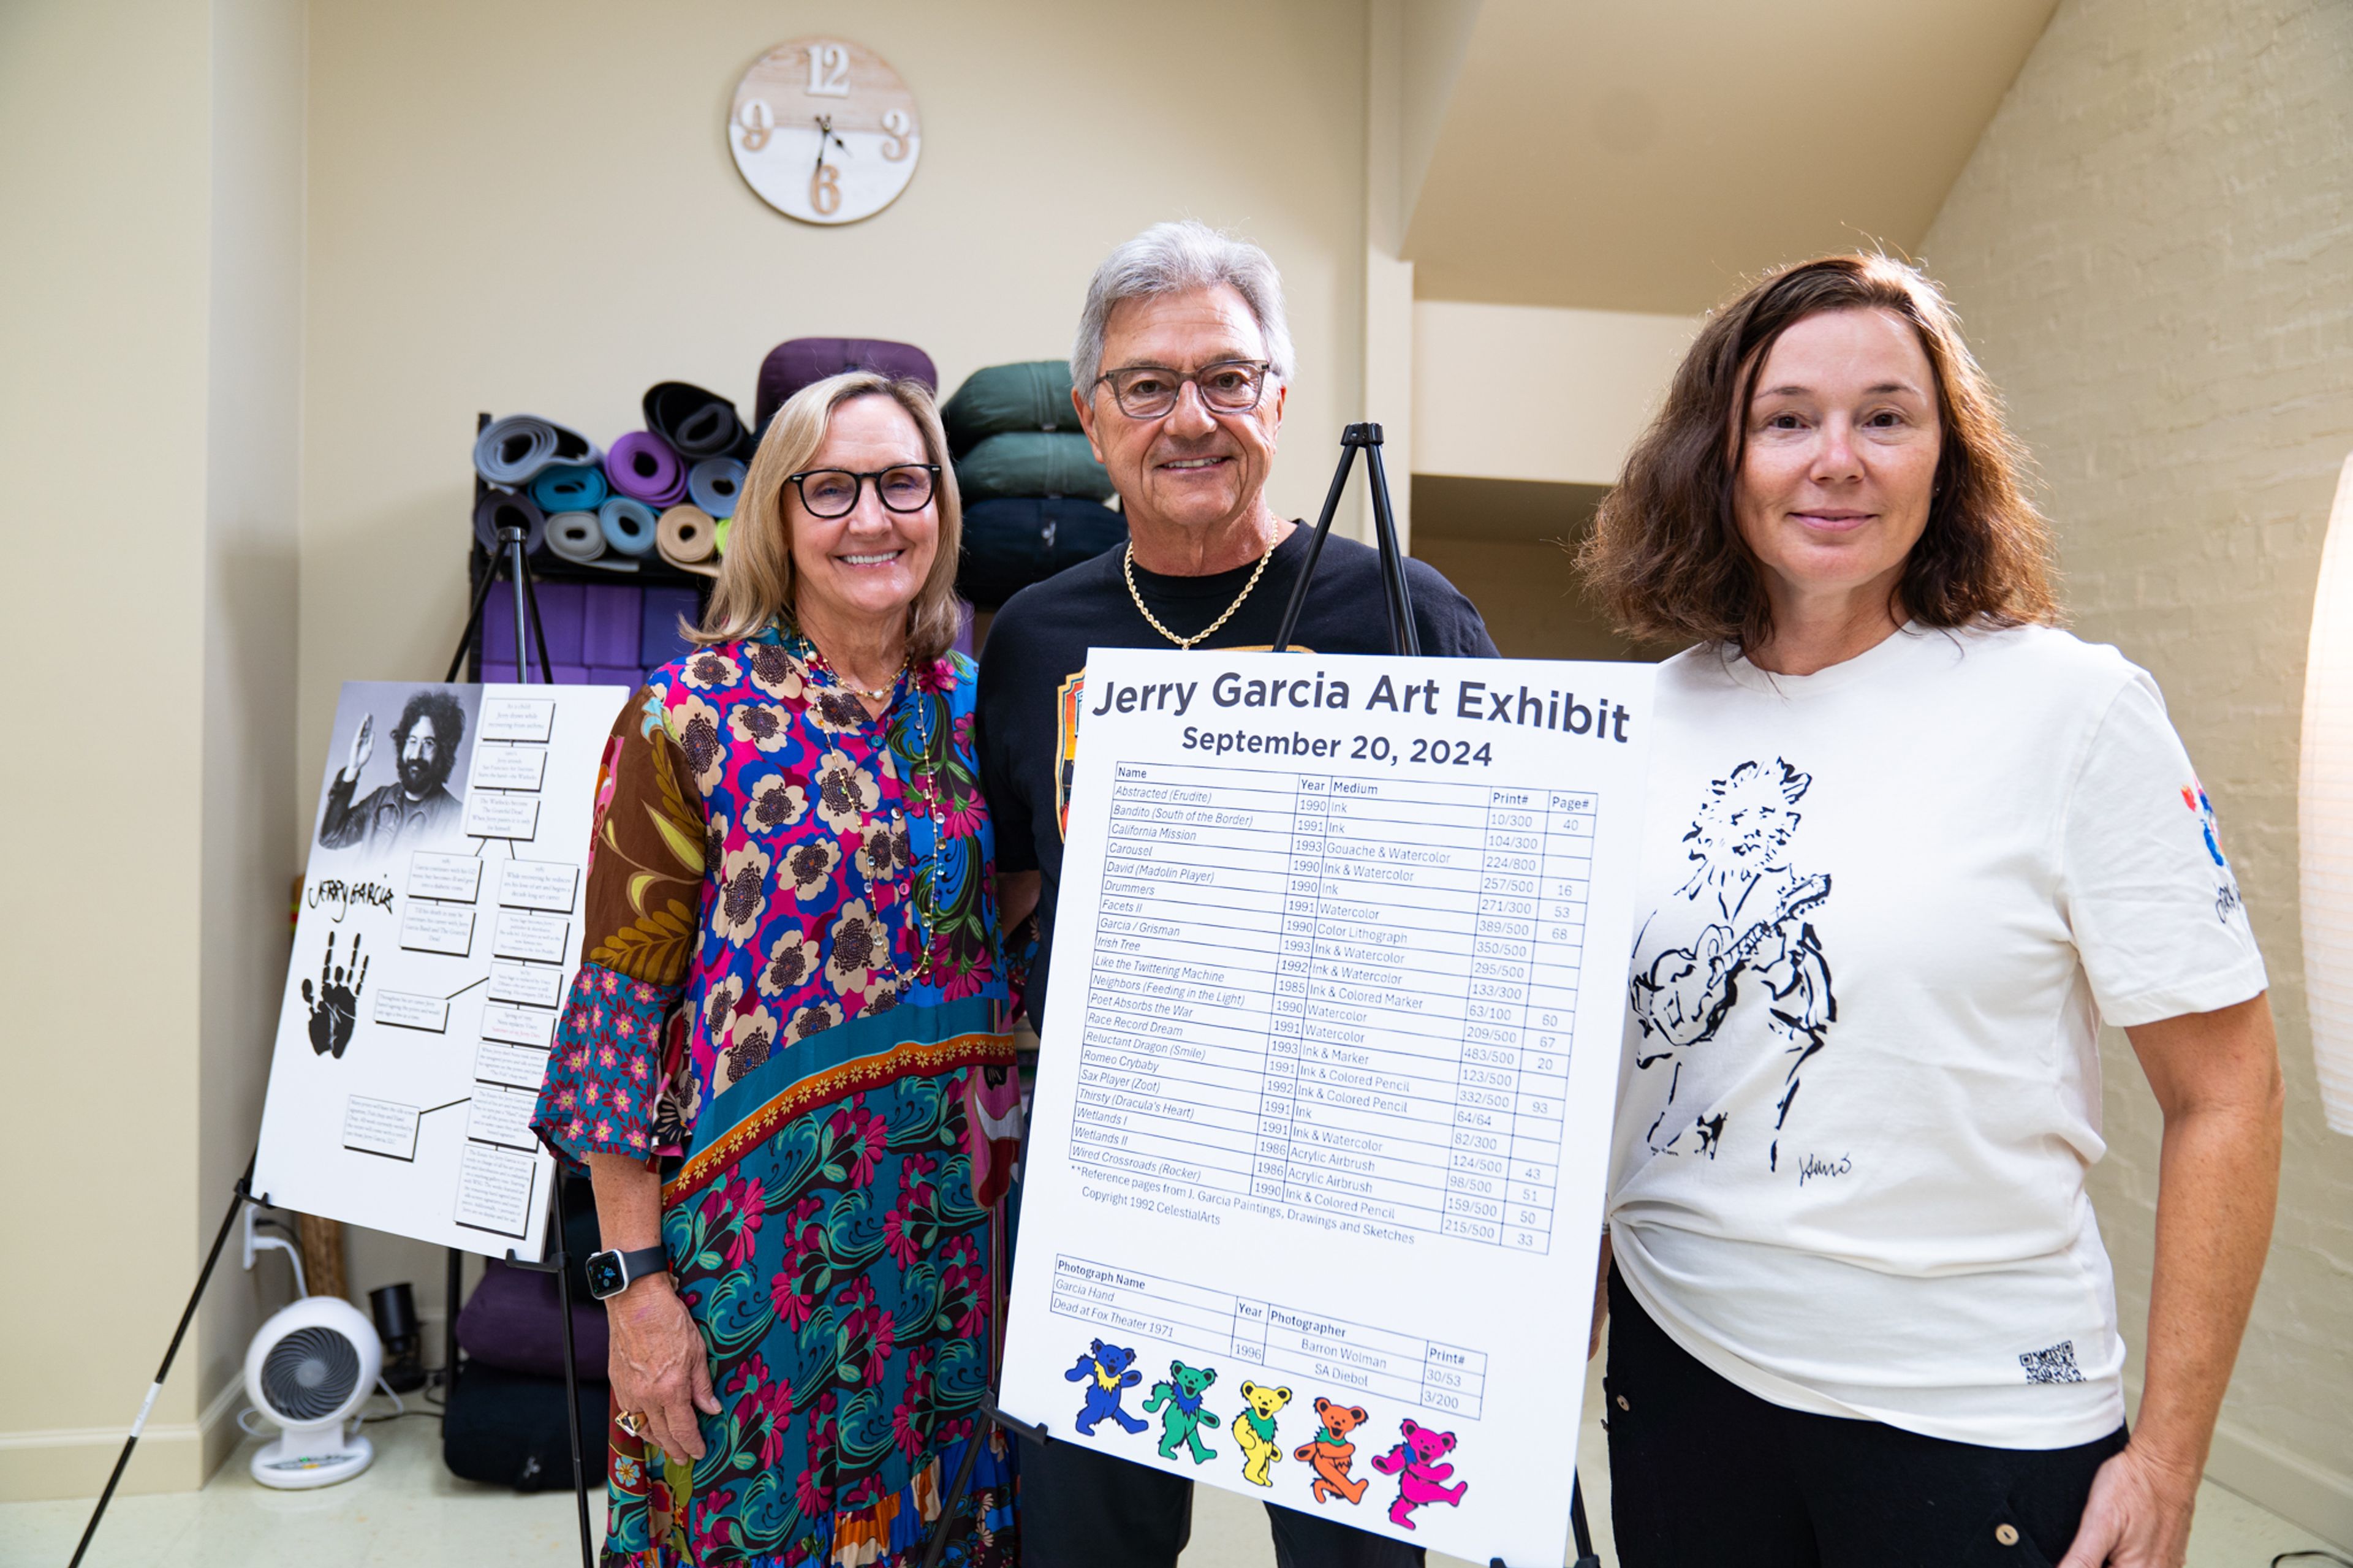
(1666, 558)
(756, 577)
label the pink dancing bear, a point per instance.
(1420, 1478)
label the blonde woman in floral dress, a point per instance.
(790, 1009)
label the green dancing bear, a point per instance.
(1182, 1420)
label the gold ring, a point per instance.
(631, 1422)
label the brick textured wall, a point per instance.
(2152, 248)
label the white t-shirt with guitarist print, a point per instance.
(1883, 909)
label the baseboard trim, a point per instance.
(2318, 1497)
(73, 1461)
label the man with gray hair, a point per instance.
(1179, 373)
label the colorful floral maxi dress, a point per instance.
(791, 994)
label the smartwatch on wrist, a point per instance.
(609, 1273)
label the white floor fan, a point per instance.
(310, 1369)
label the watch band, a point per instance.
(629, 1265)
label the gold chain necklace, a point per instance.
(1127, 570)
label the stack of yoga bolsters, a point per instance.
(1032, 490)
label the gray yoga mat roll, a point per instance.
(498, 507)
(512, 451)
(575, 536)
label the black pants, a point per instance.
(1081, 1508)
(1704, 1473)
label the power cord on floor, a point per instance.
(2341, 1561)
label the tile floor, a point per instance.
(410, 1512)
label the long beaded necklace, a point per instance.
(925, 776)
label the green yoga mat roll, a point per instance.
(1032, 395)
(1032, 463)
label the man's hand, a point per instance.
(2138, 1515)
(363, 747)
(658, 1366)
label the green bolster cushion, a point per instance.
(1032, 395)
(1032, 463)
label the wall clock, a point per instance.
(824, 131)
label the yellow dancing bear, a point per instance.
(1254, 1429)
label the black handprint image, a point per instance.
(336, 1006)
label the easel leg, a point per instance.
(187, 1315)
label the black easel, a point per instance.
(240, 1197)
(1403, 639)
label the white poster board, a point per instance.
(1323, 1110)
(438, 931)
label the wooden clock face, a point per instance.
(824, 131)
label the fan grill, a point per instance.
(310, 1373)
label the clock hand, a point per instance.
(824, 131)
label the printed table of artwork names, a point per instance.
(1285, 1341)
(1350, 995)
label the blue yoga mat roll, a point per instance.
(569, 489)
(714, 484)
(628, 525)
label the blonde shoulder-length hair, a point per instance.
(756, 577)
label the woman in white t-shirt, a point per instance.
(1908, 844)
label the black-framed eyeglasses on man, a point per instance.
(833, 492)
(1151, 391)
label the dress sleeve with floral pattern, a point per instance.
(614, 1059)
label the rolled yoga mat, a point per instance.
(1023, 463)
(687, 540)
(642, 465)
(697, 424)
(569, 489)
(512, 451)
(628, 525)
(575, 536)
(714, 484)
(498, 507)
(1032, 395)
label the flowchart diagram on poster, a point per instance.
(439, 927)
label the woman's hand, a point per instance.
(658, 1366)
(2138, 1515)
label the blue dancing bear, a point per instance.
(1105, 1370)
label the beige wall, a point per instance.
(2152, 250)
(532, 207)
(150, 608)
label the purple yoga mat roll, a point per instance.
(641, 465)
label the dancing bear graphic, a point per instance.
(1331, 1453)
(1106, 1370)
(1184, 1418)
(1420, 1478)
(1751, 904)
(1254, 1430)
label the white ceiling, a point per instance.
(1648, 156)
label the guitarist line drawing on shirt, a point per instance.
(1754, 905)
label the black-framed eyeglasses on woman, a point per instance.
(1150, 391)
(833, 492)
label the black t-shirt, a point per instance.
(1035, 660)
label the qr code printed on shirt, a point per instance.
(2056, 1364)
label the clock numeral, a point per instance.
(898, 128)
(758, 125)
(829, 71)
(825, 190)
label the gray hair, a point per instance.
(1175, 258)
